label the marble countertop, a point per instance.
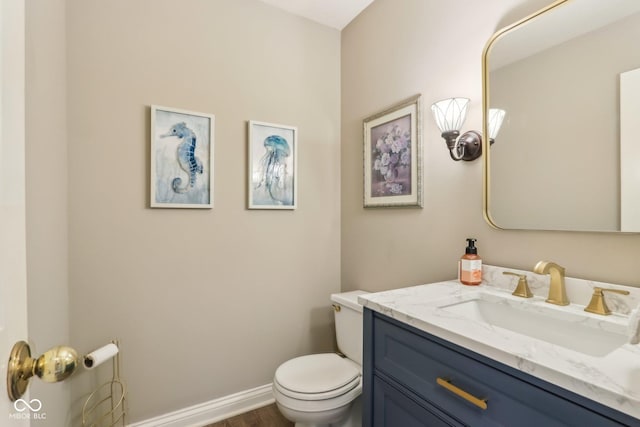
(612, 379)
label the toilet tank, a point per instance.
(348, 316)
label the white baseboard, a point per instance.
(214, 410)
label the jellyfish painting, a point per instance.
(273, 172)
(185, 155)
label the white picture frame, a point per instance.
(272, 166)
(182, 167)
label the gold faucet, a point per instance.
(597, 304)
(557, 290)
(522, 290)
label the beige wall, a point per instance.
(206, 303)
(46, 191)
(394, 50)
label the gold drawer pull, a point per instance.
(480, 403)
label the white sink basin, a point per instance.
(567, 327)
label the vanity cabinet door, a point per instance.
(425, 366)
(394, 408)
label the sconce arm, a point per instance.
(467, 147)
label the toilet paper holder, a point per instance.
(105, 406)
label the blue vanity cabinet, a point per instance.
(412, 378)
(396, 407)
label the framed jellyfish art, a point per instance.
(181, 158)
(393, 156)
(273, 163)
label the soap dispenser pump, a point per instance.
(471, 265)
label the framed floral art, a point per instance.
(393, 156)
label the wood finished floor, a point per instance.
(269, 416)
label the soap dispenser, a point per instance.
(471, 265)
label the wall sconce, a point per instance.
(450, 115)
(54, 365)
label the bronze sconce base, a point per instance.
(468, 147)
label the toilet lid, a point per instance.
(318, 373)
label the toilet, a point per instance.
(323, 390)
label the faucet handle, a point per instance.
(522, 290)
(597, 304)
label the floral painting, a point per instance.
(393, 156)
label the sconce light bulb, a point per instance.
(450, 114)
(494, 122)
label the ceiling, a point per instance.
(332, 13)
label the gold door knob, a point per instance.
(54, 365)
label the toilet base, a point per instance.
(346, 416)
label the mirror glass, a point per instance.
(568, 154)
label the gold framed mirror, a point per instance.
(568, 77)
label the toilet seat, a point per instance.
(317, 377)
(315, 406)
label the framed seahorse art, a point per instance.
(273, 153)
(181, 158)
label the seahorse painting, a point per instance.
(185, 155)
